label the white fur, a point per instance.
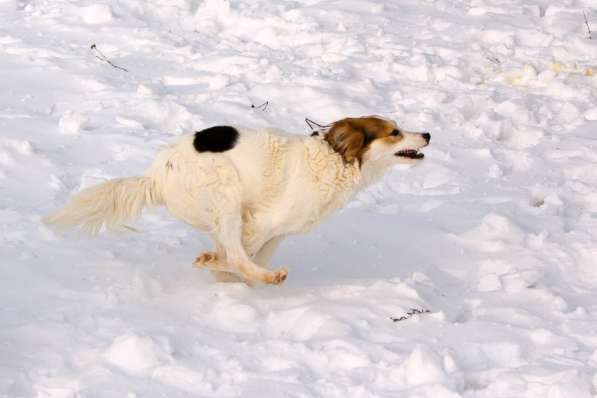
(247, 199)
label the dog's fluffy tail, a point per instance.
(110, 204)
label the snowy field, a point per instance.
(495, 234)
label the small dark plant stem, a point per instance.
(100, 55)
(262, 107)
(588, 27)
(315, 132)
(413, 311)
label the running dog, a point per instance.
(249, 188)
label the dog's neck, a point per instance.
(364, 174)
(368, 173)
(336, 180)
(371, 172)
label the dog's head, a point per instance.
(375, 140)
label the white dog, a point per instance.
(248, 189)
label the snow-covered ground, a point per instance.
(495, 233)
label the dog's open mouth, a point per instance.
(410, 154)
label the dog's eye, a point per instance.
(396, 132)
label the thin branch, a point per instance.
(588, 27)
(262, 107)
(413, 311)
(311, 123)
(99, 55)
(315, 132)
(494, 60)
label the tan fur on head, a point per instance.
(350, 137)
(345, 139)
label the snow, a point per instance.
(72, 122)
(135, 354)
(495, 233)
(97, 14)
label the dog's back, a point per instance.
(289, 177)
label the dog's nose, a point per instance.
(427, 137)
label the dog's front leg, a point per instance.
(231, 256)
(222, 272)
(229, 235)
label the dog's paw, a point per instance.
(205, 258)
(280, 276)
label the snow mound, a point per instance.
(136, 354)
(424, 366)
(72, 122)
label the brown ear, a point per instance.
(347, 140)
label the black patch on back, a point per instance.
(215, 139)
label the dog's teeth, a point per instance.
(410, 153)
